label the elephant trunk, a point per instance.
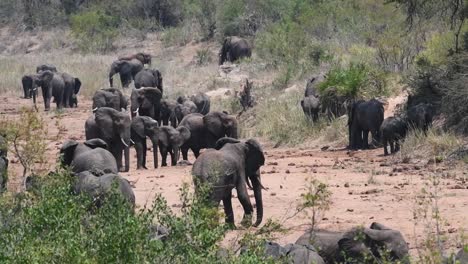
(257, 188)
(111, 74)
(155, 152)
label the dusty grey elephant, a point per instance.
(311, 87)
(169, 141)
(233, 164)
(420, 116)
(92, 155)
(183, 108)
(29, 85)
(3, 173)
(52, 85)
(149, 78)
(146, 102)
(202, 101)
(206, 130)
(46, 67)
(145, 58)
(168, 112)
(233, 49)
(365, 117)
(127, 69)
(72, 88)
(358, 245)
(110, 97)
(290, 253)
(144, 127)
(392, 131)
(101, 186)
(113, 127)
(311, 107)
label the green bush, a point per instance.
(94, 30)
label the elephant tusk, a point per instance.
(95, 109)
(132, 142)
(35, 89)
(136, 111)
(123, 142)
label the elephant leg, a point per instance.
(66, 98)
(145, 148)
(155, 153)
(174, 122)
(174, 156)
(385, 145)
(117, 152)
(184, 153)
(245, 202)
(392, 146)
(46, 94)
(139, 150)
(365, 139)
(163, 150)
(196, 152)
(397, 145)
(227, 203)
(127, 158)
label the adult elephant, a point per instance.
(169, 141)
(110, 97)
(149, 78)
(100, 187)
(113, 127)
(144, 127)
(92, 155)
(127, 69)
(365, 117)
(233, 164)
(206, 130)
(52, 85)
(233, 49)
(146, 102)
(145, 58)
(184, 108)
(168, 114)
(290, 253)
(311, 107)
(46, 67)
(420, 116)
(202, 101)
(71, 89)
(358, 244)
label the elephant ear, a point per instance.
(225, 140)
(184, 133)
(214, 123)
(46, 76)
(353, 244)
(105, 122)
(96, 143)
(302, 103)
(67, 152)
(378, 226)
(256, 158)
(138, 126)
(77, 85)
(382, 237)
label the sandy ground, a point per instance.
(365, 185)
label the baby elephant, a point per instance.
(392, 130)
(169, 141)
(100, 187)
(311, 107)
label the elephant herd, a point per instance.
(366, 117)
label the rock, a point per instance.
(287, 172)
(272, 194)
(292, 164)
(274, 163)
(349, 210)
(346, 185)
(325, 148)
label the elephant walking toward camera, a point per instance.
(146, 102)
(233, 164)
(113, 127)
(169, 141)
(233, 49)
(365, 117)
(393, 130)
(358, 245)
(202, 101)
(149, 78)
(144, 127)
(184, 107)
(168, 114)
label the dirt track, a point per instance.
(366, 186)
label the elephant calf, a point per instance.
(358, 244)
(169, 141)
(393, 130)
(420, 116)
(365, 117)
(233, 164)
(291, 253)
(311, 107)
(100, 187)
(143, 127)
(233, 49)
(202, 101)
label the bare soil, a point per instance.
(367, 187)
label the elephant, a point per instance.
(232, 164)
(184, 108)
(168, 112)
(170, 140)
(46, 67)
(145, 58)
(311, 107)
(358, 245)
(72, 88)
(311, 87)
(127, 69)
(202, 101)
(110, 97)
(146, 102)
(52, 84)
(392, 130)
(74, 101)
(3, 173)
(29, 85)
(291, 253)
(206, 130)
(3, 146)
(101, 186)
(149, 78)
(420, 116)
(233, 49)
(92, 155)
(365, 117)
(462, 256)
(113, 127)
(141, 128)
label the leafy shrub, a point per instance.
(94, 30)
(203, 57)
(179, 36)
